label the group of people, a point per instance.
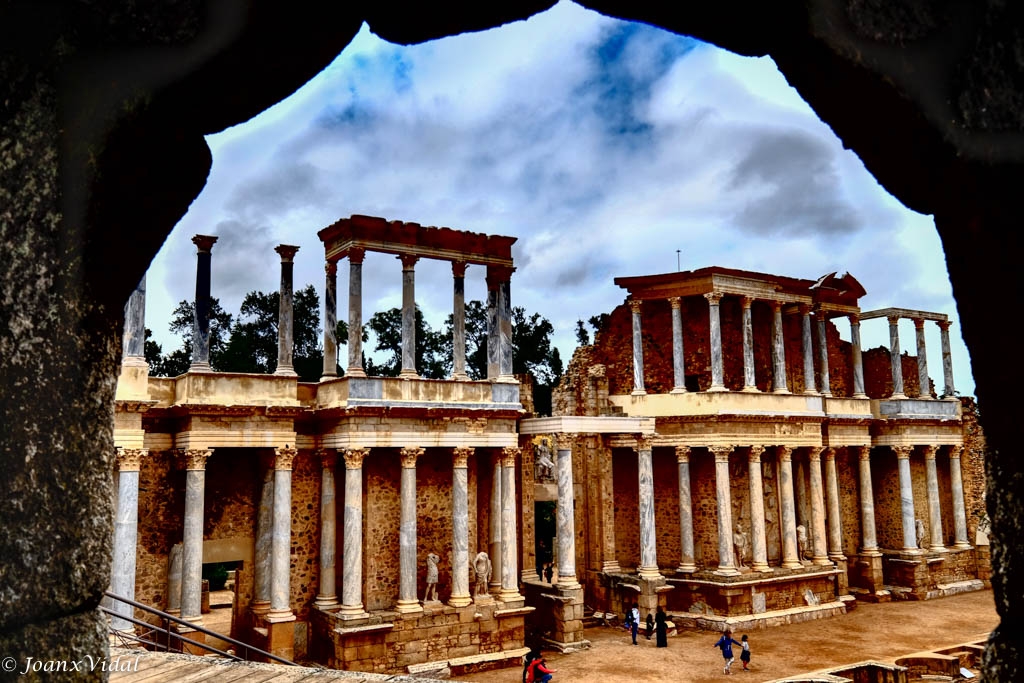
(725, 643)
(657, 623)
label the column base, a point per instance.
(408, 606)
(871, 552)
(355, 372)
(286, 371)
(259, 607)
(763, 568)
(611, 567)
(821, 561)
(726, 571)
(860, 396)
(279, 616)
(826, 394)
(460, 377)
(483, 599)
(326, 601)
(649, 573)
(781, 391)
(328, 376)
(837, 557)
(686, 569)
(460, 601)
(200, 367)
(569, 583)
(937, 549)
(507, 379)
(678, 390)
(962, 546)
(638, 392)
(407, 373)
(510, 595)
(792, 564)
(898, 397)
(811, 393)
(348, 612)
(751, 390)
(193, 621)
(717, 388)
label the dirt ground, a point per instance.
(880, 632)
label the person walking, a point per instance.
(661, 627)
(725, 643)
(634, 621)
(745, 654)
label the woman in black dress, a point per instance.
(661, 627)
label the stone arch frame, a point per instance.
(108, 110)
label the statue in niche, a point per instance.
(544, 467)
(432, 561)
(740, 544)
(803, 551)
(482, 566)
(919, 530)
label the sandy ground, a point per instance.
(881, 632)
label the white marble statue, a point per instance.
(432, 561)
(544, 467)
(803, 549)
(482, 566)
(740, 546)
(919, 530)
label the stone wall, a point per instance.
(625, 479)
(305, 540)
(726, 599)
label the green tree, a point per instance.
(582, 334)
(431, 360)
(178, 361)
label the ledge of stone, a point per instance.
(793, 615)
(366, 628)
(777, 575)
(470, 660)
(514, 612)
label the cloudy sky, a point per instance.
(604, 146)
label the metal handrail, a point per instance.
(170, 618)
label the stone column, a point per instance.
(726, 559)
(505, 326)
(330, 321)
(790, 556)
(460, 527)
(923, 383)
(869, 541)
(192, 538)
(355, 313)
(126, 524)
(959, 509)
(648, 567)
(778, 351)
(495, 547)
(808, 349)
(201, 314)
(493, 327)
(934, 506)
(638, 350)
(408, 316)
(858, 362)
(328, 595)
(826, 382)
(687, 562)
(459, 321)
(286, 312)
(407, 599)
(800, 491)
(758, 534)
(678, 359)
(174, 580)
(352, 561)
(947, 360)
(906, 498)
(509, 535)
(281, 540)
(749, 378)
(717, 373)
(894, 357)
(835, 528)
(133, 347)
(264, 538)
(566, 515)
(819, 547)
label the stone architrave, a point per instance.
(869, 540)
(726, 560)
(459, 321)
(749, 377)
(923, 383)
(281, 541)
(126, 522)
(818, 533)
(715, 321)
(947, 360)
(328, 595)
(407, 598)
(835, 527)
(826, 382)
(678, 357)
(778, 351)
(460, 527)
(959, 509)
(330, 321)
(638, 349)
(934, 506)
(355, 313)
(894, 357)
(286, 312)
(408, 316)
(566, 516)
(352, 563)
(855, 353)
(201, 315)
(648, 567)
(807, 347)
(509, 535)
(192, 537)
(790, 558)
(687, 562)
(906, 498)
(758, 536)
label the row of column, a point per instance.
(499, 319)
(922, 358)
(826, 539)
(779, 383)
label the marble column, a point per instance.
(505, 326)
(174, 580)
(819, 547)
(778, 351)
(286, 312)
(807, 347)
(678, 359)
(790, 556)
(281, 539)
(264, 538)
(509, 534)
(328, 595)
(126, 524)
(408, 316)
(758, 533)
(133, 347)
(947, 360)
(638, 350)
(407, 598)
(493, 326)
(201, 314)
(800, 490)
(714, 313)
(495, 548)
(566, 515)
(723, 498)
(894, 357)
(460, 527)
(934, 506)
(355, 313)
(858, 362)
(352, 560)
(192, 537)
(648, 567)
(749, 378)
(923, 383)
(826, 382)
(906, 498)
(330, 321)
(835, 527)
(959, 509)
(687, 561)
(459, 321)
(869, 540)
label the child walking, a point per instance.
(745, 655)
(725, 643)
